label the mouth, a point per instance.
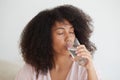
(67, 51)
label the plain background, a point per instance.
(15, 14)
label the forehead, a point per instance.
(62, 24)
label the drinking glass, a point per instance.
(72, 47)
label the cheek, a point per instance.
(58, 42)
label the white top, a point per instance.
(28, 73)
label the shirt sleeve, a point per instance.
(83, 74)
(25, 73)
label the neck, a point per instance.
(62, 61)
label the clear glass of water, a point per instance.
(72, 47)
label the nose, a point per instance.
(68, 37)
(69, 40)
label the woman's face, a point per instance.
(61, 33)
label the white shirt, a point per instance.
(76, 72)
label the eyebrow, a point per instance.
(59, 28)
(63, 28)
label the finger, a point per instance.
(81, 53)
(84, 54)
(81, 46)
(81, 50)
(88, 58)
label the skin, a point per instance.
(61, 33)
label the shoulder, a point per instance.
(26, 72)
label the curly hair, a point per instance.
(36, 41)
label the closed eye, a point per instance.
(60, 33)
(71, 32)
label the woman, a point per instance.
(43, 46)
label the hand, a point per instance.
(83, 52)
